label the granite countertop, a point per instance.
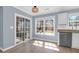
(68, 30)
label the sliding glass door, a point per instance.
(26, 29)
(22, 29)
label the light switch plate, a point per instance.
(11, 27)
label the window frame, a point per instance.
(43, 19)
(71, 15)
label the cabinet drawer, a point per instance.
(63, 33)
(65, 39)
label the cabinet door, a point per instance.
(75, 40)
(62, 19)
(65, 39)
(69, 39)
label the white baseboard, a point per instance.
(6, 48)
(46, 40)
(9, 48)
(3, 50)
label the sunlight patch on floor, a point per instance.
(38, 43)
(53, 48)
(47, 45)
(50, 44)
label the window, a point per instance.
(45, 25)
(40, 26)
(73, 20)
(49, 26)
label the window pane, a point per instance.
(73, 20)
(49, 27)
(40, 26)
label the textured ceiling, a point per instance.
(46, 9)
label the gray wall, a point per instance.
(8, 21)
(45, 37)
(1, 27)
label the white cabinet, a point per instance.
(62, 20)
(75, 40)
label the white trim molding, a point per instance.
(4, 49)
(22, 10)
(1, 49)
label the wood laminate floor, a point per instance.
(35, 46)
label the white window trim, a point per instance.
(44, 26)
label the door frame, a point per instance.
(29, 18)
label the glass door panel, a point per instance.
(22, 29)
(27, 29)
(19, 29)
